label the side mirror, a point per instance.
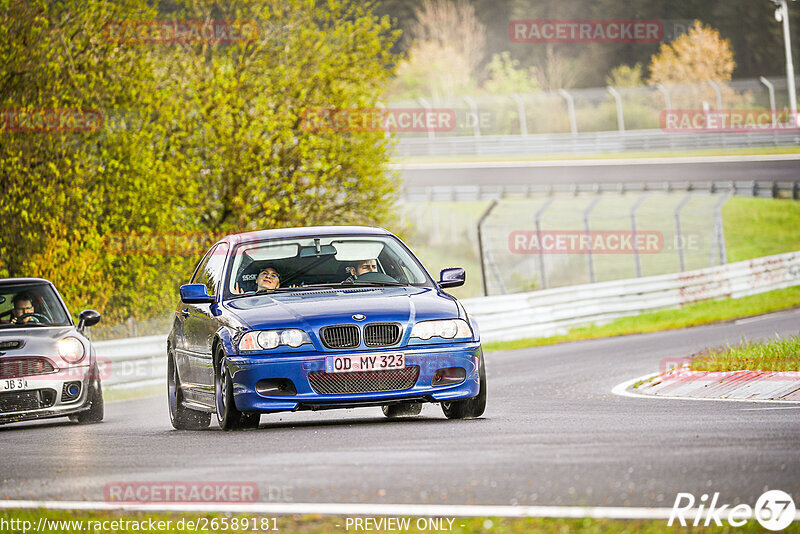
(452, 277)
(195, 294)
(88, 318)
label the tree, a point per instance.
(692, 60)
(698, 56)
(197, 138)
(448, 44)
(625, 76)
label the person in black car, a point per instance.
(23, 305)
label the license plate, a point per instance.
(13, 384)
(377, 362)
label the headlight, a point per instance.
(446, 329)
(270, 339)
(71, 349)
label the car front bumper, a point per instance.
(247, 370)
(45, 396)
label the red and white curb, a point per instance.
(736, 386)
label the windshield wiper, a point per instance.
(370, 283)
(263, 292)
(310, 287)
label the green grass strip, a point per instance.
(777, 355)
(706, 312)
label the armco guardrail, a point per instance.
(142, 361)
(134, 362)
(589, 143)
(553, 311)
(460, 193)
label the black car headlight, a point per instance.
(270, 339)
(445, 329)
(71, 349)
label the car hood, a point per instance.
(313, 309)
(37, 340)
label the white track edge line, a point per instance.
(427, 510)
(622, 391)
(591, 162)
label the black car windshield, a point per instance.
(308, 262)
(30, 305)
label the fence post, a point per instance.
(480, 244)
(678, 235)
(538, 224)
(618, 100)
(664, 91)
(636, 258)
(424, 103)
(589, 258)
(523, 119)
(573, 123)
(473, 108)
(717, 90)
(718, 234)
(771, 89)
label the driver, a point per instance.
(23, 305)
(358, 268)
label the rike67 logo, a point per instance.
(774, 510)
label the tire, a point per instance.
(96, 410)
(181, 417)
(228, 416)
(469, 408)
(405, 409)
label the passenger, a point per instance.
(268, 278)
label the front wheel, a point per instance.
(468, 408)
(96, 410)
(228, 416)
(181, 417)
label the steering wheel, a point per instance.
(38, 316)
(375, 277)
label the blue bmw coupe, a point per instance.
(319, 318)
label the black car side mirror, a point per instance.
(452, 277)
(88, 318)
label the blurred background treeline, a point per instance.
(204, 138)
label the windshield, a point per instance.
(287, 264)
(28, 305)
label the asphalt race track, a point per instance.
(779, 168)
(553, 434)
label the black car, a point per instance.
(48, 366)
